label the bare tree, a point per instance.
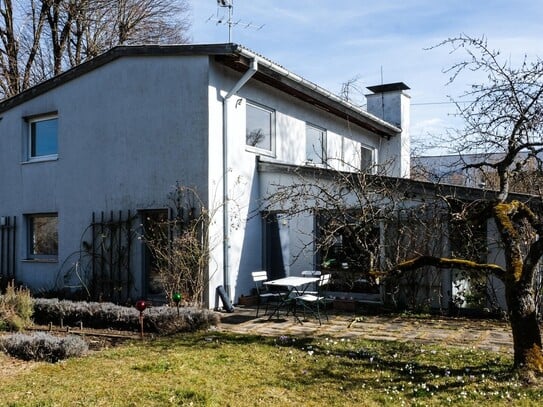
(505, 120)
(41, 38)
(20, 45)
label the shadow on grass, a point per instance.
(237, 319)
(415, 370)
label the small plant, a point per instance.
(41, 346)
(16, 308)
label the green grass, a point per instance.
(238, 370)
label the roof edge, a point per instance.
(460, 191)
(111, 55)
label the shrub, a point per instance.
(41, 346)
(162, 320)
(16, 308)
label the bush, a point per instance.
(162, 320)
(16, 308)
(43, 347)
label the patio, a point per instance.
(490, 335)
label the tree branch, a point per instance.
(446, 263)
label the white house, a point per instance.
(89, 155)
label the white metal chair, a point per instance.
(315, 302)
(264, 295)
(311, 273)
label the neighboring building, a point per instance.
(90, 155)
(461, 170)
(448, 169)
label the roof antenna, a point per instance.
(229, 4)
(382, 96)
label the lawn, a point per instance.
(217, 369)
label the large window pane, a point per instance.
(43, 137)
(259, 130)
(43, 236)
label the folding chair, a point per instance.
(264, 295)
(316, 302)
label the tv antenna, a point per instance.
(229, 4)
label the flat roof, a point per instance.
(388, 87)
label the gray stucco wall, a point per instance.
(127, 132)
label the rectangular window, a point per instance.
(366, 159)
(43, 236)
(43, 138)
(260, 127)
(315, 144)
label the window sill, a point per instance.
(309, 163)
(260, 151)
(40, 260)
(45, 158)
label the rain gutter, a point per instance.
(253, 68)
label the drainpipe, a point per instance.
(226, 229)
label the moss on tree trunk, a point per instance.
(524, 326)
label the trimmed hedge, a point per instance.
(98, 315)
(41, 346)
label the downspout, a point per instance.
(226, 229)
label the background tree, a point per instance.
(41, 38)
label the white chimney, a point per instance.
(391, 103)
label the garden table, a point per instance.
(295, 286)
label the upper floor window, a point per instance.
(260, 127)
(42, 236)
(43, 138)
(358, 157)
(367, 160)
(315, 144)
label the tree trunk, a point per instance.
(524, 325)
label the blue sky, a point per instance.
(329, 42)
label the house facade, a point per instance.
(90, 156)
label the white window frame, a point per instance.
(358, 151)
(31, 122)
(272, 113)
(371, 167)
(30, 223)
(323, 158)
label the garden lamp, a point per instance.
(141, 305)
(176, 297)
